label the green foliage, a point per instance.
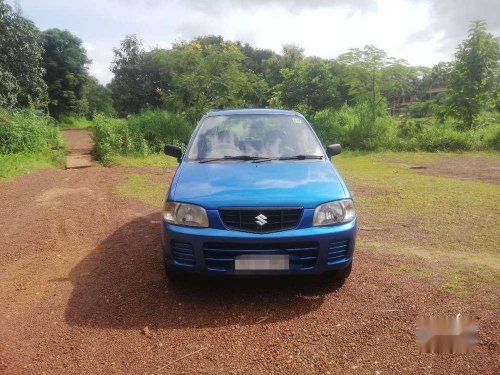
(205, 77)
(131, 85)
(21, 71)
(472, 78)
(27, 133)
(487, 132)
(333, 126)
(73, 122)
(97, 99)
(151, 160)
(308, 86)
(159, 127)
(113, 136)
(13, 165)
(443, 138)
(353, 128)
(421, 109)
(65, 62)
(140, 135)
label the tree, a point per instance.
(440, 75)
(65, 61)
(205, 77)
(364, 71)
(255, 58)
(97, 99)
(272, 66)
(131, 87)
(472, 79)
(308, 86)
(21, 71)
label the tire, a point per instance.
(339, 275)
(175, 276)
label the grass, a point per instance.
(444, 220)
(75, 123)
(411, 269)
(448, 227)
(19, 164)
(149, 189)
(153, 160)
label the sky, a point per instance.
(423, 32)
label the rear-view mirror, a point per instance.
(172, 150)
(333, 150)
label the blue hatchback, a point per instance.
(256, 193)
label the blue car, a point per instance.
(255, 193)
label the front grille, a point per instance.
(337, 251)
(221, 256)
(182, 252)
(272, 219)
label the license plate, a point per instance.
(261, 262)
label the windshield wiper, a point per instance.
(294, 157)
(236, 157)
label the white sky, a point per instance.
(423, 32)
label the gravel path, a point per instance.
(82, 290)
(80, 144)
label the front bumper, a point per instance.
(312, 250)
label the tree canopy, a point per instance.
(472, 79)
(65, 61)
(21, 68)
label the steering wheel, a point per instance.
(277, 138)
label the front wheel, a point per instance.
(174, 276)
(339, 275)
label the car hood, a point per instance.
(228, 184)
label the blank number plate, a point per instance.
(261, 262)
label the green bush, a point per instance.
(368, 133)
(354, 128)
(443, 138)
(487, 133)
(26, 132)
(139, 135)
(160, 127)
(113, 136)
(72, 121)
(333, 126)
(491, 138)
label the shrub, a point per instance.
(421, 109)
(141, 134)
(368, 133)
(487, 137)
(492, 138)
(72, 121)
(354, 127)
(160, 127)
(333, 126)
(113, 136)
(443, 138)
(26, 132)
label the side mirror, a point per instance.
(333, 150)
(174, 151)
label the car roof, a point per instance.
(253, 111)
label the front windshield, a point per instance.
(270, 136)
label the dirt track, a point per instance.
(81, 277)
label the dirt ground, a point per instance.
(82, 290)
(468, 167)
(80, 144)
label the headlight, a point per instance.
(335, 212)
(185, 214)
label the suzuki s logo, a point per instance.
(261, 219)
